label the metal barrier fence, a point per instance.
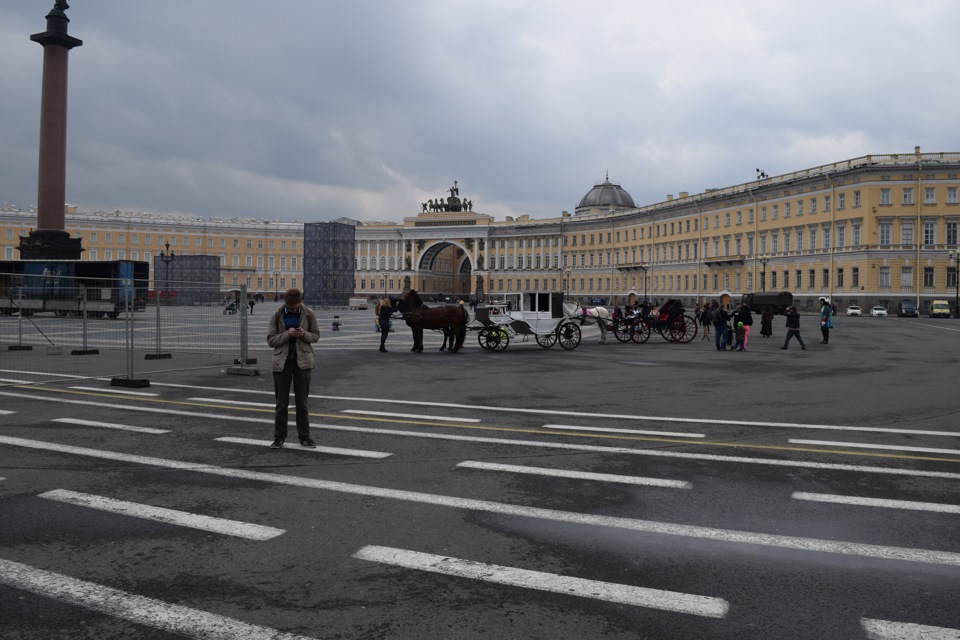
(120, 329)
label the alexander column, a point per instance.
(50, 239)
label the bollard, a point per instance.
(336, 323)
(85, 351)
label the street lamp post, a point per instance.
(764, 259)
(167, 257)
(644, 267)
(955, 256)
(276, 285)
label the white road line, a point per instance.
(877, 502)
(4, 412)
(168, 516)
(639, 432)
(119, 391)
(885, 447)
(644, 526)
(172, 618)
(109, 425)
(581, 414)
(410, 415)
(800, 464)
(359, 453)
(14, 381)
(885, 630)
(550, 582)
(577, 475)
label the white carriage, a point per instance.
(540, 314)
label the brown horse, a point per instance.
(446, 317)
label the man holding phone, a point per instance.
(292, 331)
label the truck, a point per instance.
(68, 287)
(778, 301)
(939, 309)
(358, 303)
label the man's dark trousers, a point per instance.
(300, 378)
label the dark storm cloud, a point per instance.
(315, 110)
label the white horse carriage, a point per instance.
(540, 314)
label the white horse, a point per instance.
(599, 316)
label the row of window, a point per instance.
(688, 282)
(184, 241)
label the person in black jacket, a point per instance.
(793, 328)
(721, 324)
(383, 315)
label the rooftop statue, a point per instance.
(60, 5)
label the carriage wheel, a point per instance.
(494, 338)
(622, 329)
(547, 340)
(683, 329)
(640, 332)
(568, 334)
(483, 337)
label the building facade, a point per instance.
(870, 230)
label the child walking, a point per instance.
(740, 344)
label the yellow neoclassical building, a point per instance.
(870, 230)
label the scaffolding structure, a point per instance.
(187, 280)
(328, 263)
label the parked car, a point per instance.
(939, 309)
(907, 309)
(854, 310)
(878, 312)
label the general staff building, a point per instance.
(869, 230)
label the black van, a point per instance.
(907, 309)
(778, 301)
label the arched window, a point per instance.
(383, 263)
(363, 264)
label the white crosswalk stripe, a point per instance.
(161, 514)
(541, 581)
(139, 609)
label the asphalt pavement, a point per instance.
(654, 491)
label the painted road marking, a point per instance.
(578, 475)
(638, 432)
(169, 516)
(550, 582)
(886, 630)
(14, 381)
(139, 609)
(885, 447)
(831, 466)
(109, 425)
(877, 502)
(643, 526)
(359, 453)
(119, 391)
(4, 412)
(585, 414)
(409, 415)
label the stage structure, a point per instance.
(329, 252)
(186, 280)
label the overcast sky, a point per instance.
(312, 110)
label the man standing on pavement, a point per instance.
(292, 331)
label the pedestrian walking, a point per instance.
(825, 322)
(793, 328)
(766, 322)
(292, 331)
(721, 325)
(706, 319)
(741, 334)
(383, 316)
(250, 304)
(746, 318)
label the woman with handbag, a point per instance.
(825, 322)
